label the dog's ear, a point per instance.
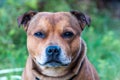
(25, 18)
(83, 19)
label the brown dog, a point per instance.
(56, 50)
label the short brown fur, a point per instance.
(53, 25)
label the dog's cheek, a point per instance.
(32, 46)
(75, 47)
(65, 48)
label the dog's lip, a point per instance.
(51, 61)
(55, 62)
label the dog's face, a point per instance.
(53, 39)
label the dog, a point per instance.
(56, 50)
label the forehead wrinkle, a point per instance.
(42, 19)
(59, 16)
(45, 16)
(52, 20)
(48, 19)
(65, 19)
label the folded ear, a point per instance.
(82, 18)
(25, 18)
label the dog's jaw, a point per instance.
(54, 72)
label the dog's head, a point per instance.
(53, 39)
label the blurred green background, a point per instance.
(102, 37)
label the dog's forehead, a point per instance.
(53, 19)
(49, 16)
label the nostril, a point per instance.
(56, 50)
(49, 51)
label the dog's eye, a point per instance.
(67, 35)
(39, 35)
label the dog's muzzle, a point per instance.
(53, 53)
(54, 56)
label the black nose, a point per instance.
(53, 50)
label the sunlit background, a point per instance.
(102, 37)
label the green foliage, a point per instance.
(56, 5)
(103, 51)
(101, 38)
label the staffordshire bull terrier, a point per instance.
(56, 50)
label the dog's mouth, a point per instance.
(53, 63)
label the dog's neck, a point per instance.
(75, 68)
